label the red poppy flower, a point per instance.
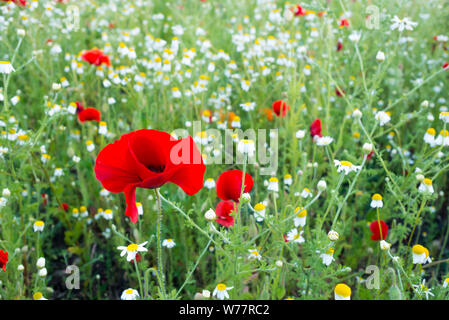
(223, 210)
(370, 155)
(44, 198)
(374, 227)
(3, 259)
(339, 46)
(17, 2)
(96, 57)
(65, 206)
(315, 128)
(344, 23)
(149, 159)
(446, 65)
(137, 259)
(299, 11)
(340, 93)
(280, 107)
(229, 185)
(87, 114)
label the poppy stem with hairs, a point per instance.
(238, 216)
(160, 264)
(380, 227)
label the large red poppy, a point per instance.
(87, 114)
(229, 185)
(280, 107)
(149, 159)
(223, 210)
(374, 227)
(315, 128)
(3, 259)
(96, 57)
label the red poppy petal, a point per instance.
(229, 185)
(131, 208)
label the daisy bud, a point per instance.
(43, 272)
(210, 215)
(300, 134)
(21, 32)
(420, 177)
(246, 197)
(384, 245)
(279, 263)
(367, 148)
(6, 193)
(40, 262)
(198, 296)
(333, 235)
(425, 104)
(322, 185)
(20, 267)
(357, 114)
(206, 293)
(56, 86)
(380, 56)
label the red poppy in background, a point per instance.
(374, 227)
(340, 93)
(87, 114)
(344, 23)
(96, 57)
(446, 65)
(339, 46)
(229, 185)
(223, 210)
(17, 2)
(299, 11)
(149, 159)
(3, 259)
(280, 107)
(44, 198)
(315, 128)
(65, 206)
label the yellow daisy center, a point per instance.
(377, 197)
(346, 163)
(37, 296)
(132, 247)
(221, 287)
(342, 290)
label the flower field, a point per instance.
(212, 150)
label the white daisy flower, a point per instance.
(295, 236)
(169, 243)
(221, 291)
(132, 250)
(129, 294)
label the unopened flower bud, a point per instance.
(367, 148)
(333, 235)
(40, 262)
(420, 177)
(384, 245)
(210, 215)
(246, 197)
(279, 263)
(380, 56)
(43, 272)
(357, 114)
(322, 185)
(425, 104)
